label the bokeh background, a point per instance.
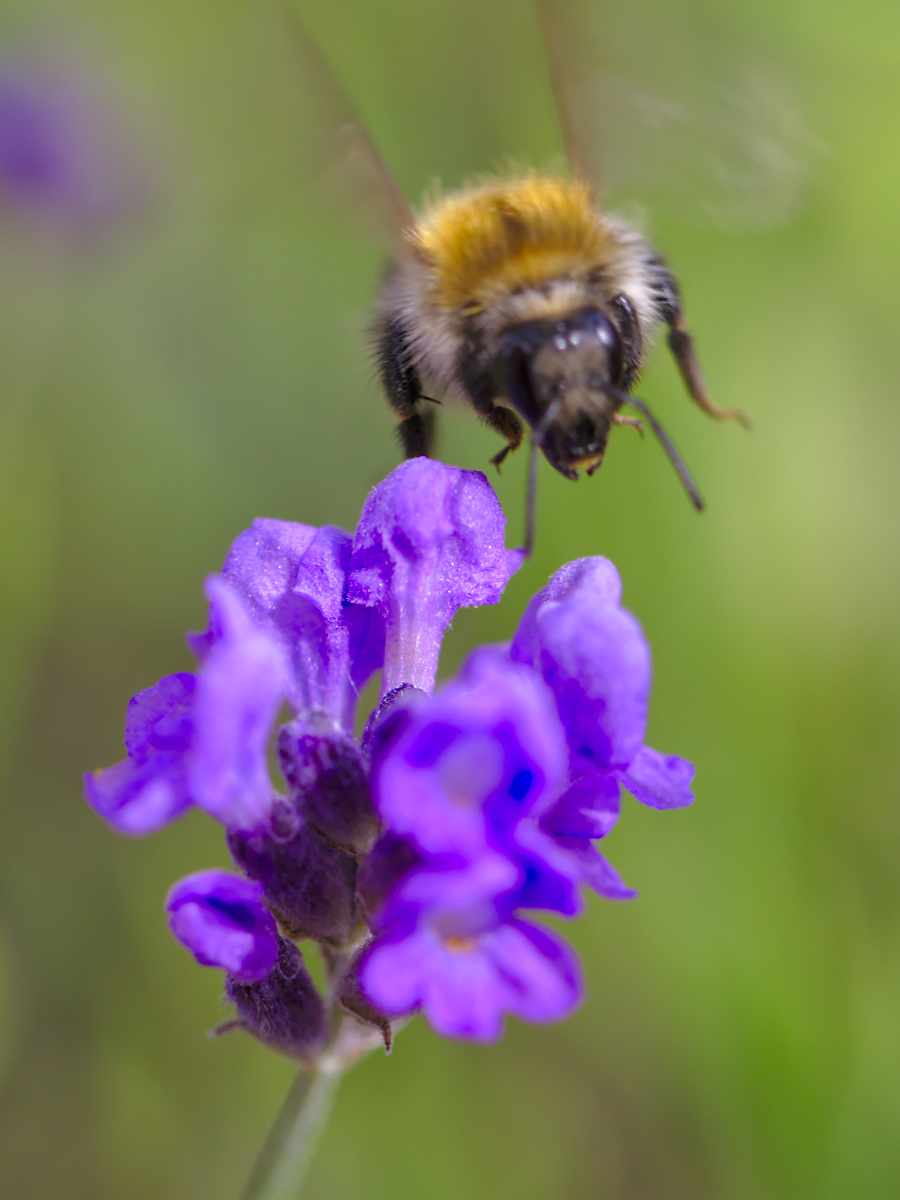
(183, 348)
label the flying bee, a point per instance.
(525, 298)
(528, 300)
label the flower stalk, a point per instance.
(280, 1168)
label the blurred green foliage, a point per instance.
(206, 363)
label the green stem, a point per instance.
(279, 1171)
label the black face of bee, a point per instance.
(567, 364)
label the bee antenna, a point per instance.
(665, 441)
(537, 441)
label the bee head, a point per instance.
(565, 364)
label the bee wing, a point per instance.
(294, 127)
(342, 135)
(678, 113)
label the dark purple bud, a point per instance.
(388, 719)
(429, 541)
(284, 1010)
(308, 884)
(323, 769)
(223, 921)
(149, 788)
(389, 861)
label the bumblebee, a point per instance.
(523, 297)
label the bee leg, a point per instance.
(509, 426)
(416, 434)
(630, 422)
(404, 389)
(682, 346)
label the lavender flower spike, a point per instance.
(429, 541)
(222, 920)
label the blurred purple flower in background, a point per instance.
(414, 855)
(67, 151)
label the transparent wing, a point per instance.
(668, 107)
(342, 137)
(291, 119)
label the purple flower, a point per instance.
(429, 541)
(459, 894)
(486, 751)
(465, 982)
(475, 767)
(200, 739)
(588, 810)
(450, 944)
(239, 689)
(452, 818)
(149, 788)
(292, 578)
(593, 655)
(63, 157)
(222, 920)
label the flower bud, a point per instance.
(353, 1000)
(387, 863)
(308, 884)
(284, 1010)
(323, 768)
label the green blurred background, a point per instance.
(203, 361)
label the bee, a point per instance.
(523, 297)
(526, 299)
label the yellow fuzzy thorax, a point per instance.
(507, 235)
